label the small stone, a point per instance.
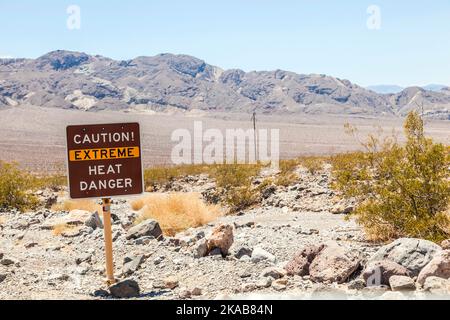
(196, 291)
(260, 254)
(264, 282)
(7, 262)
(148, 227)
(85, 257)
(125, 289)
(445, 244)
(401, 283)
(101, 293)
(94, 221)
(171, 282)
(30, 244)
(2, 277)
(243, 251)
(273, 272)
(200, 249)
(184, 293)
(132, 264)
(279, 284)
(247, 287)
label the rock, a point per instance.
(243, 251)
(400, 283)
(132, 264)
(215, 252)
(74, 218)
(50, 201)
(247, 287)
(185, 293)
(259, 254)
(171, 282)
(7, 262)
(333, 264)
(222, 238)
(357, 284)
(101, 293)
(439, 266)
(279, 284)
(264, 283)
(30, 244)
(342, 208)
(436, 285)
(144, 240)
(196, 291)
(445, 244)
(94, 221)
(1, 255)
(377, 273)
(200, 249)
(2, 277)
(413, 254)
(85, 257)
(299, 265)
(125, 289)
(273, 272)
(148, 227)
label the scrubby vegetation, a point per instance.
(15, 185)
(175, 212)
(403, 189)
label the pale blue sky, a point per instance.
(306, 36)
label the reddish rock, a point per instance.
(299, 265)
(378, 273)
(439, 266)
(221, 238)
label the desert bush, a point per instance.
(403, 190)
(82, 204)
(312, 164)
(49, 181)
(164, 174)
(15, 187)
(175, 212)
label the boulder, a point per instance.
(401, 283)
(75, 218)
(125, 289)
(413, 254)
(222, 238)
(436, 285)
(333, 264)
(146, 228)
(378, 273)
(299, 265)
(439, 266)
(94, 221)
(259, 254)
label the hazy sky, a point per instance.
(412, 47)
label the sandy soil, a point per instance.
(35, 137)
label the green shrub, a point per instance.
(403, 190)
(15, 187)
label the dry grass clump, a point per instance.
(59, 229)
(164, 174)
(175, 212)
(83, 204)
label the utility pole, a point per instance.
(254, 135)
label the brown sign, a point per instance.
(104, 160)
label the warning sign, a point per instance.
(104, 160)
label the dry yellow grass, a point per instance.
(175, 212)
(69, 205)
(60, 228)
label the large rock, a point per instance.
(413, 254)
(401, 283)
(437, 285)
(146, 228)
(378, 273)
(200, 249)
(125, 289)
(299, 265)
(333, 264)
(439, 266)
(222, 238)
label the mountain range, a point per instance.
(392, 88)
(182, 83)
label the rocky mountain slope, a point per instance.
(168, 82)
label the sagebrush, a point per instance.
(403, 190)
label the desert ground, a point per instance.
(35, 137)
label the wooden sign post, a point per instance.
(104, 160)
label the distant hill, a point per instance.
(167, 82)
